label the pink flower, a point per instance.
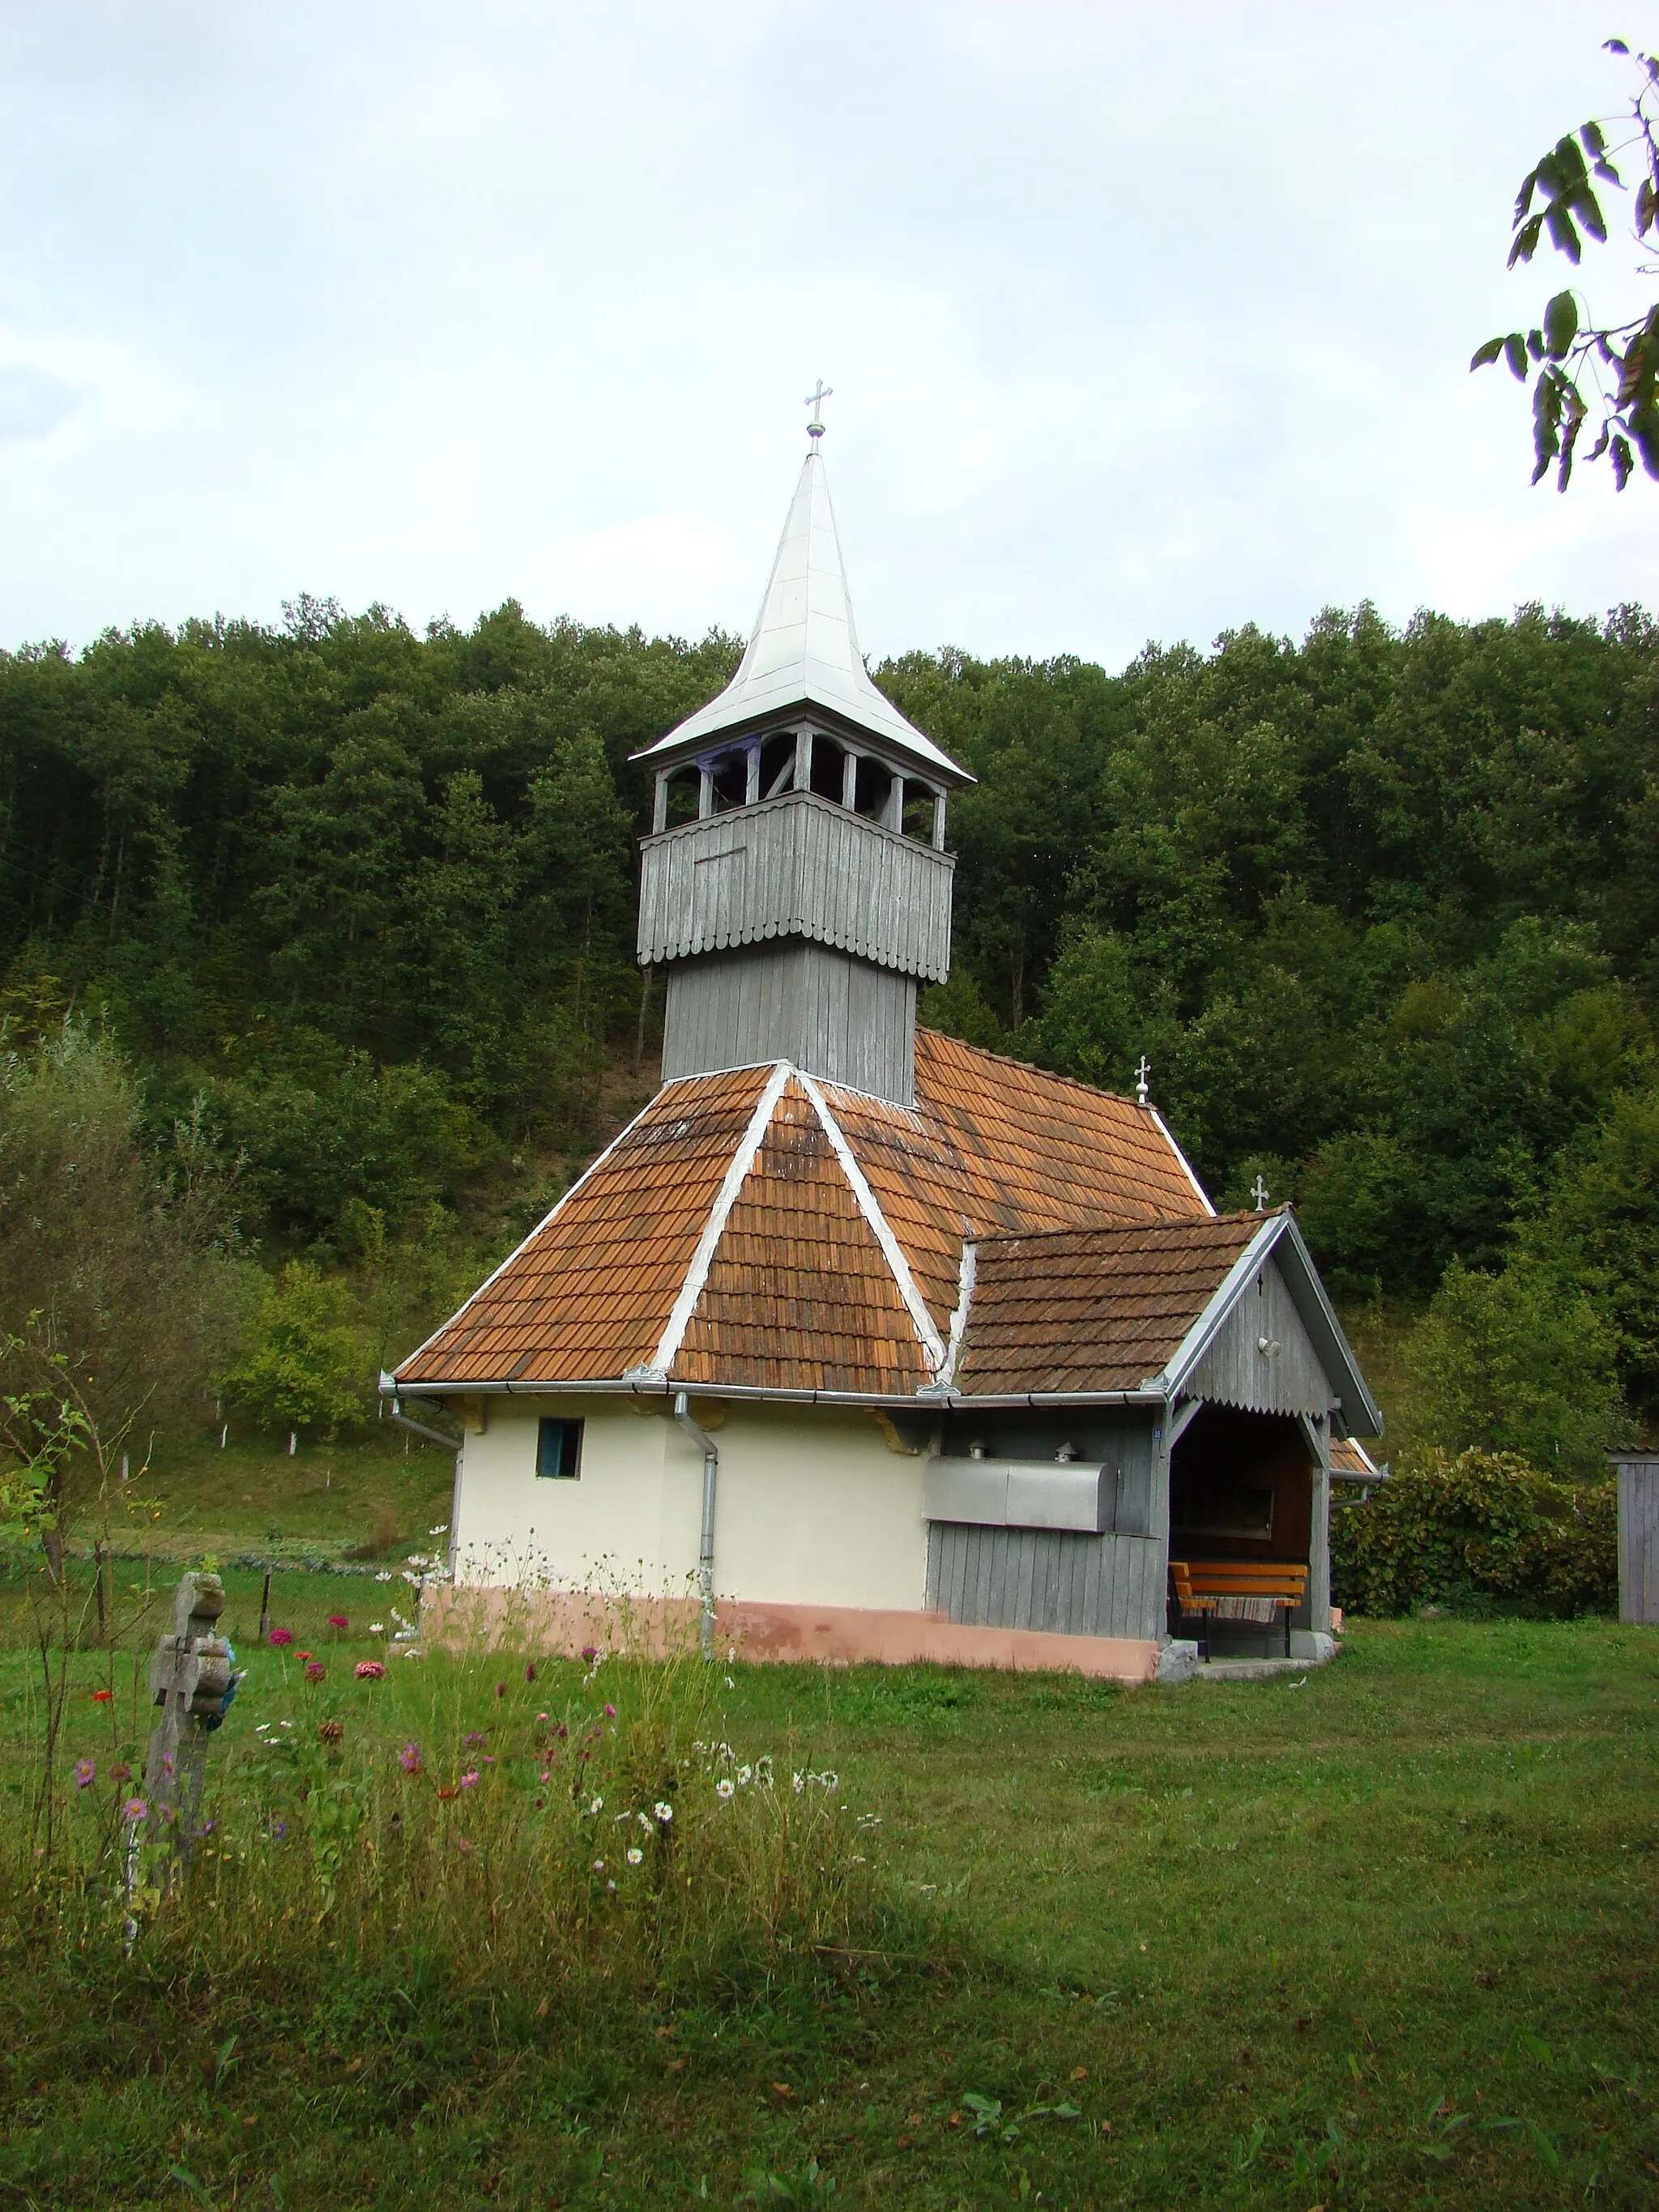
(501, 1689)
(369, 1670)
(279, 1637)
(134, 1809)
(86, 1773)
(120, 1774)
(410, 1758)
(469, 1781)
(590, 1652)
(611, 1712)
(315, 1670)
(338, 1620)
(529, 1671)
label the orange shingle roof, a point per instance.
(589, 1293)
(800, 1292)
(1350, 1457)
(995, 1145)
(799, 1296)
(1082, 1310)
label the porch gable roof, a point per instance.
(1135, 1307)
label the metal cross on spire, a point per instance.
(815, 400)
(1260, 1194)
(1143, 1087)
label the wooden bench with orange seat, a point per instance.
(1249, 1593)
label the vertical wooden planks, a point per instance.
(840, 1019)
(1638, 1537)
(1089, 1614)
(1056, 1581)
(806, 869)
(1289, 1377)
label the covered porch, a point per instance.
(1246, 1575)
(1185, 1386)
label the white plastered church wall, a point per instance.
(817, 1509)
(813, 1509)
(630, 1520)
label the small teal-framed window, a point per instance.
(559, 1451)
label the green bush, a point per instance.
(306, 1365)
(1518, 1362)
(1483, 1530)
(320, 1128)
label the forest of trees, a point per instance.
(1381, 907)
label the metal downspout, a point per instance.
(711, 1468)
(448, 1443)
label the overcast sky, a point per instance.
(1144, 321)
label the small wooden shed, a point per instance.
(1638, 1534)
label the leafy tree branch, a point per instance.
(1585, 368)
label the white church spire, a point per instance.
(803, 649)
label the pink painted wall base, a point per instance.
(568, 1621)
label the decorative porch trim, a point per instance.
(1281, 1238)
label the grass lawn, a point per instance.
(1381, 1936)
(374, 1491)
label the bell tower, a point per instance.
(796, 885)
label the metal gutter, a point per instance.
(930, 1399)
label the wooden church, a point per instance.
(865, 1343)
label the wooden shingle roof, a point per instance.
(588, 1294)
(1096, 1308)
(755, 1230)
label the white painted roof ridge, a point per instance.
(592, 1169)
(1203, 1194)
(869, 1206)
(967, 1274)
(696, 1275)
(804, 650)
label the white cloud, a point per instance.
(1143, 320)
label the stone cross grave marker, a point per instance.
(192, 1677)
